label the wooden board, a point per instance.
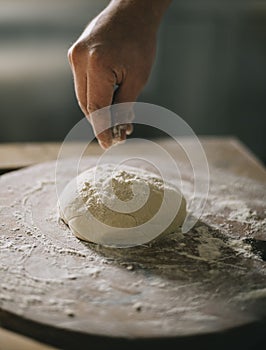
(12, 341)
(176, 292)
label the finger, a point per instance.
(125, 96)
(80, 83)
(129, 129)
(123, 135)
(119, 133)
(128, 91)
(78, 62)
(100, 89)
(101, 122)
(130, 117)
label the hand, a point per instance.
(116, 49)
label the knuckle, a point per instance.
(76, 51)
(96, 55)
(69, 55)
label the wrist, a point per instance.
(148, 12)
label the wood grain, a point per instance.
(71, 292)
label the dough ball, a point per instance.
(121, 207)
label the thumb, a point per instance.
(125, 95)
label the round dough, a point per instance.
(122, 206)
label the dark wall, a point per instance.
(211, 68)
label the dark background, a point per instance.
(210, 67)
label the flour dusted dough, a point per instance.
(122, 206)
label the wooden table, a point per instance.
(224, 152)
(228, 152)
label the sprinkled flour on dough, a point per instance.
(102, 203)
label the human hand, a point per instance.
(116, 49)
